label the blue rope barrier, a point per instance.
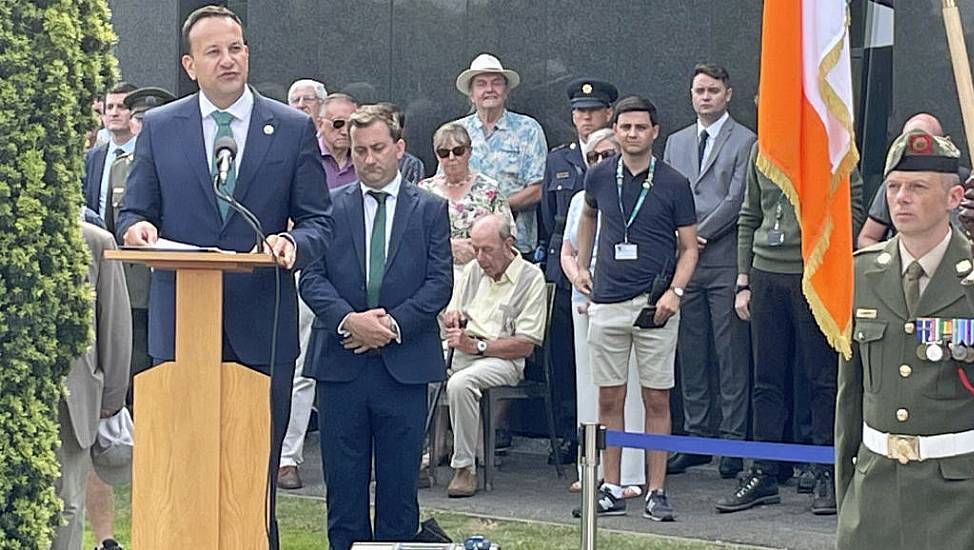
(788, 452)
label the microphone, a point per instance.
(225, 149)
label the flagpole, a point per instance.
(962, 69)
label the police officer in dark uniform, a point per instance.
(591, 102)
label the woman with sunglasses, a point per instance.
(471, 194)
(601, 145)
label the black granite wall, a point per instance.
(410, 52)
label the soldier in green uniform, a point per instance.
(904, 433)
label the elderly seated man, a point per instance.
(502, 298)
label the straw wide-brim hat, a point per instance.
(482, 64)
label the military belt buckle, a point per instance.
(904, 448)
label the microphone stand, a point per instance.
(254, 224)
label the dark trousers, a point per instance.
(371, 414)
(784, 330)
(706, 350)
(562, 349)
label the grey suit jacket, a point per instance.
(718, 189)
(99, 379)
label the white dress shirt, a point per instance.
(241, 110)
(712, 132)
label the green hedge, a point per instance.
(54, 57)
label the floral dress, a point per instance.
(483, 198)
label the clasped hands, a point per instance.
(368, 330)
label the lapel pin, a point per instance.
(268, 129)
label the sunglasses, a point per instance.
(457, 151)
(597, 156)
(337, 123)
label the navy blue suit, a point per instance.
(280, 177)
(377, 400)
(94, 166)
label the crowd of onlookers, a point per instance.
(641, 267)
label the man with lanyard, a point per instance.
(647, 212)
(591, 104)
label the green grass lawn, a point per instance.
(302, 526)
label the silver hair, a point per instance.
(319, 88)
(505, 229)
(451, 130)
(598, 137)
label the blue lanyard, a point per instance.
(647, 185)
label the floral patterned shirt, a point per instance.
(483, 198)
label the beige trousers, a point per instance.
(469, 376)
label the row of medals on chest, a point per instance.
(943, 339)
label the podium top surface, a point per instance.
(175, 260)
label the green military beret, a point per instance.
(918, 151)
(141, 100)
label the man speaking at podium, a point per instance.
(276, 174)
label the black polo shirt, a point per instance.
(668, 205)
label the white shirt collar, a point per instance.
(714, 128)
(240, 108)
(930, 261)
(391, 188)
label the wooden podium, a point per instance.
(202, 434)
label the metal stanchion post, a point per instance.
(592, 441)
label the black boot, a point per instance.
(754, 488)
(823, 497)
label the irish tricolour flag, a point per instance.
(806, 144)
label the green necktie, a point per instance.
(223, 121)
(911, 287)
(377, 249)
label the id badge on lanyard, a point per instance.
(627, 251)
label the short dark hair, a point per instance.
(717, 72)
(635, 103)
(203, 13)
(367, 115)
(396, 112)
(120, 88)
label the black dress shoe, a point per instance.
(806, 480)
(730, 466)
(823, 497)
(753, 488)
(678, 463)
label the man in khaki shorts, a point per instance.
(647, 213)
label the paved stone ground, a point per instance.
(526, 488)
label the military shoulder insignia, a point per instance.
(884, 259)
(562, 146)
(963, 267)
(877, 247)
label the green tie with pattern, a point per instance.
(223, 121)
(377, 249)
(911, 286)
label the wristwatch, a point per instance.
(677, 290)
(481, 346)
